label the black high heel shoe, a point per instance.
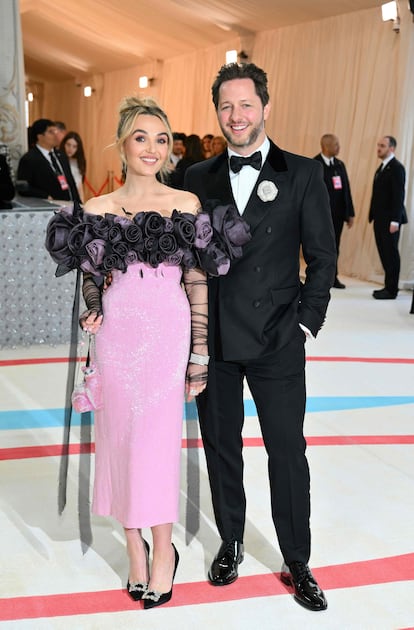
(155, 598)
(137, 589)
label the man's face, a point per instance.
(332, 147)
(383, 148)
(178, 147)
(60, 134)
(241, 115)
(48, 140)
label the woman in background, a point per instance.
(193, 154)
(72, 146)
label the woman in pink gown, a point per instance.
(149, 242)
(143, 340)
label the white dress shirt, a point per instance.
(243, 182)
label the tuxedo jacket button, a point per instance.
(256, 303)
(258, 269)
(269, 229)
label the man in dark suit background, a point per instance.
(388, 213)
(44, 171)
(339, 190)
(6, 182)
(259, 317)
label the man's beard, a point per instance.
(251, 138)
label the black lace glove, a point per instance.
(91, 319)
(195, 283)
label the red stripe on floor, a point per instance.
(361, 359)
(13, 362)
(403, 360)
(355, 574)
(50, 450)
(324, 440)
(55, 450)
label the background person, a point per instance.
(339, 190)
(72, 146)
(388, 213)
(60, 131)
(193, 154)
(206, 145)
(218, 145)
(6, 182)
(44, 172)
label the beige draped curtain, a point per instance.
(351, 75)
(345, 75)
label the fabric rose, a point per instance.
(175, 259)
(100, 225)
(139, 219)
(154, 224)
(78, 237)
(122, 221)
(168, 244)
(267, 191)
(133, 233)
(168, 224)
(203, 229)
(120, 248)
(113, 261)
(115, 233)
(150, 243)
(155, 258)
(188, 260)
(131, 258)
(184, 228)
(96, 251)
(57, 240)
(214, 260)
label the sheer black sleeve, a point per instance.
(195, 283)
(92, 294)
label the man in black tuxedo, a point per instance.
(388, 213)
(6, 182)
(259, 317)
(44, 171)
(339, 190)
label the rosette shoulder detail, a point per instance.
(100, 244)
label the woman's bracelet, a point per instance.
(199, 359)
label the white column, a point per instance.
(13, 134)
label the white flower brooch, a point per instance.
(267, 191)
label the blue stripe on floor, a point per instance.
(48, 418)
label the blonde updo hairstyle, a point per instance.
(129, 109)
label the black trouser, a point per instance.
(338, 223)
(387, 245)
(277, 385)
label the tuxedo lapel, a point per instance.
(217, 181)
(274, 170)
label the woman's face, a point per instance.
(146, 149)
(71, 146)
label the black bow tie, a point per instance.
(237, 162)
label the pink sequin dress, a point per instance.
(142, 352)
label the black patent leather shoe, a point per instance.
(307, 591)
(224, 568)
(137, 589)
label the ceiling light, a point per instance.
(87, 90)
(389, 11)
(231, 56)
